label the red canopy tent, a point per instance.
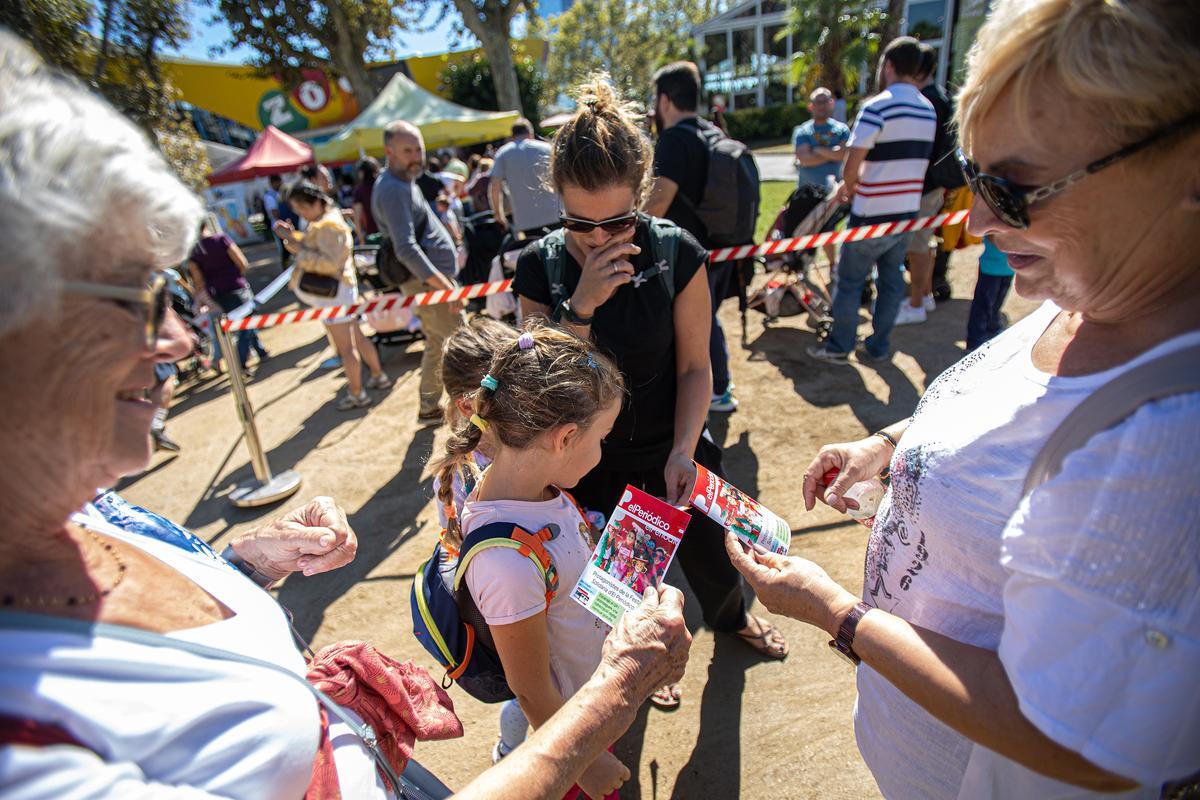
(272, 152)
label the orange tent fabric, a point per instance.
(272, 152)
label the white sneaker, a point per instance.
(929, 303)
(910, 315)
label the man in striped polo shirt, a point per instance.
(886, 159)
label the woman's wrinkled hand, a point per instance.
(311, 539)
(649, 646)
(854, 462)
(792, 586)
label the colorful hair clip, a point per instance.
(479, 422)
(489, 382)
(591, 362)
(525, 340)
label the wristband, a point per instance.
(571, 316)
(246, 568)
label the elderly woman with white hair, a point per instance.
(1027, 632)
(134, 660)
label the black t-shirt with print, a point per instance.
(682, 156)
(637, 328)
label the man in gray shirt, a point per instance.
(523, 166)
(423, 245)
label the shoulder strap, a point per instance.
(553, 249)
(506, 534)
(664, 249)
(1112, 403)
(18, 621)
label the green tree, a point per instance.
(835, 40)
(490, 21)
(334, 36)
(629, 40)
(123, 66)
(468, 82)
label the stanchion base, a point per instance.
(255, 493)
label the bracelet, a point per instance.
(246, 568)
(887, 437)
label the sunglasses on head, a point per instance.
(1010, 201)
(152, 301)
(611, 225)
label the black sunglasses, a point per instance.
(1010, 201)
(153, 300)
(611, 225)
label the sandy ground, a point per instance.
(747, 727)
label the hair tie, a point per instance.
(591, 361)
(479, 422)
(488, 382)
(525, 340)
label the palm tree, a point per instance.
(834, 41)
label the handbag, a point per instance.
(416, 783)
(319, 285)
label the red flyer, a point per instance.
(634, 551)
(737, 511)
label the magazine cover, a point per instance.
(749, 520)
(634, 551)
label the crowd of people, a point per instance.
(1029, 621)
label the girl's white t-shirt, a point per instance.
(166, 722)
(508, 588)
(1089, 590)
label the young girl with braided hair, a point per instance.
(542, 411)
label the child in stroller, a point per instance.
(809, 209)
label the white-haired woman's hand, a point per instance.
(649, 646)
(311, 539)
(854, 462)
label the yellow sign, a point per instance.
(240, 94)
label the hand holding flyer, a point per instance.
(749, 520)
(634, 551)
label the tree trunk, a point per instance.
(346, 54)
(105, 31)
(891, 27)
(491, 29)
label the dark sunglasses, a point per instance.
(1010, 201)
(611, 225)
(153, 301)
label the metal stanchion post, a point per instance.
(264, 488)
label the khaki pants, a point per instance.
(437, 323)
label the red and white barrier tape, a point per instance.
(386, 303)
(395, 301)
(836, 237)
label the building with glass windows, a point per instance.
(743, 57)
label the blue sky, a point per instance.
(208, 30)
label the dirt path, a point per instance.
(747, 728)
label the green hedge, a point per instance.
(772, 122)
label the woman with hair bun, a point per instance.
(637, 287)
(324, 255)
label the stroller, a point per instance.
(792, 287)
(394, 327)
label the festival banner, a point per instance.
(634, 551)
(732, 508)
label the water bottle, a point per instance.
(868, 494)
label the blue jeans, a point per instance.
(718, 352)
(247, 340)
(984, 320)
(854, 266)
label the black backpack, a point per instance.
(728, 208)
